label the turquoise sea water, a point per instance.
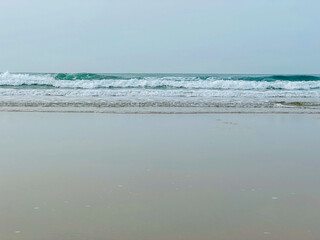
(189, 92)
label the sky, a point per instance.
(167, 36)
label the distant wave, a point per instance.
(93, 76)
(290, 78)
(82, 76)
(214, 82)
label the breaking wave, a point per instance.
(214, 82)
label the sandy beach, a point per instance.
(161, 177)
(159, 120)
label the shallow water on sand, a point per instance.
(99, 176)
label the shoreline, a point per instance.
(173, 111)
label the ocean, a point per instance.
(159, 93)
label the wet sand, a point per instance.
(67, 176)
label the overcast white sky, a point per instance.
(209, 36)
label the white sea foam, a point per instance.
(76, 90)
(8, 79)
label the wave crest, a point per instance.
(101, 81)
